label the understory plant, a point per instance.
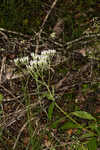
(91, 132)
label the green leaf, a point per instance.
(81, 147)
(87, 135)
(92, 145)
(48, 95)
(93, 126)
(1, 98)
(98, 130)
(56, 123)
(50, 110)
(69, 125)
(52, 149)
(83, 115)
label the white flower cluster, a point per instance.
(37, 60)
(50, 52)
(23, 60)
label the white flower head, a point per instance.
(29, 67)
(24, 60)
(50, 52)
(42, 63)
(16, 61)
(32, 55)
(44, 52)
(36, 57)
(34, 63)
(44, 57)
(53, 35)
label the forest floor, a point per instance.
(53, 109)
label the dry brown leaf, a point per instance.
(69, 132)
(83, 52)
(58, 28)
(47, 143)
(59, 84)
(26, 141)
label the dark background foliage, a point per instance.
(27, 15)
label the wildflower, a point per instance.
(22, 41)
(35, 56)
(16, 61)
(33, 62)
(32, 55)
(29, 67)
(53, 51)
(45, 52)
(42, 63)
(53, 35)
(23, 60)
(49, 52)
(44, 57)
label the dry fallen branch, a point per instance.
(42, 26)
(81, 38)
(13, 32)
(13, 117)
(21, 130)
(3, 69)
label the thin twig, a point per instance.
(7, 91)
(2, 71)
(17, 115)
(4, 35)
(82, 38)
(14, 32)
(46, 17)
(21, 130)
(42, 26)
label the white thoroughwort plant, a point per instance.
(38, 61)
(37, 65)
(36, 68)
